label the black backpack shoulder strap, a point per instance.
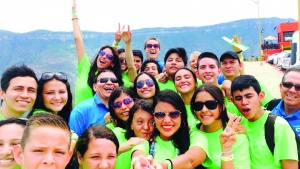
(272, 104)
(269, 131)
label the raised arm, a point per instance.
(127, 36)
(77, 33)
(239, 52)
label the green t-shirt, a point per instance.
(192, 121)
(110, 126)
(37, 111)
(1, 117)
(82, 90)
(124, 159)
(126, 80)
(240, 151)
(284, 138)
(268, 95)
(168, 85)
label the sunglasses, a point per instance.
(50, 75)
(210, 104)
(105, 80)
(122, 60)
(126, 101)
(289, 85)
(152, 45)
(108, 56)
(172, 114)
(149, 83)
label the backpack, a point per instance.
(269, 135)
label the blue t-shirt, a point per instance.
(293, 119)
(221, 78)
(87, 113)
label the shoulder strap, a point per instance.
(269, 131)
(272, 104)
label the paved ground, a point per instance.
(265, 73)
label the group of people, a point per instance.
(134, 113)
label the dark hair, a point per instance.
(121, 50)
(13, 72)
(114, 95)
(152, 38)
(39, 103)
(106, 70)
(193, 74)
(139, 54)
(152, 77)
(208, 55)
(180, 51)
(150, 61)
(42, 120)
(13, 120)
(181, 138)
(116, 68)
(139, 104)
(291, 69)
(244, 82)
(217, 94)
(95, 132)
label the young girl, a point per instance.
(139, 127)
(186, 83)
(53, 95)
(97, 147)
(11, 131)
(173, 145)
(226, 149)
(106, 58)
(120, 102)
(145, 86)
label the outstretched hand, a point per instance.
(126, 35)
(228, 136)
(118, 36)
(238, 40)
(74, 6)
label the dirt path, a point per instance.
(267, 74)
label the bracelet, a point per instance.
(170, 164)
(239, 52)
(226, 152)
(227, 158)
(74, 18)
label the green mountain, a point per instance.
(55, 51)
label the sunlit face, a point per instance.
(185, 82)
(291, 97)
(230, 67)
(152, 69)
(46, 147)
(173, 63)
(122, 59)
(102, 61)
(104, 90)
(137, 62)
(193, 62)
(152, 53)
(142, 124)
(248, 102)
(123, 111)
(10, 135)
(208, 71)
(166, 126)
(146, 92)
(206, 116)
(19, 96)
(101, 154)
(55, 95)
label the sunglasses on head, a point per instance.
(126, 101)
(50, 75)
(108, 56)
(122, 60)
(105, 80)
(209, 104)
(289, 85)
(140, 84)
(152, 45)
(172, 114)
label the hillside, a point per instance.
(55, 51)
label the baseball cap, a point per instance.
(230, 54)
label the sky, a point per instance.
(104, 15)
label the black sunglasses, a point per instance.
(152, 45)
(108, 56)
(105, 80)
(210, 104)
(50, 75)
(289, 85)
(161, 115)
(126, 101)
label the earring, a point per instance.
(154, 124)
